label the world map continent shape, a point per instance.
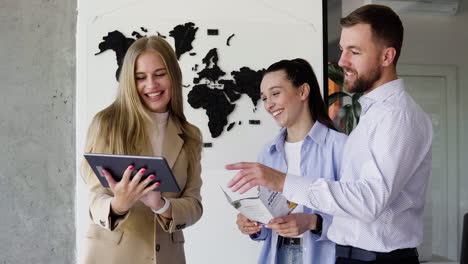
(216, 95)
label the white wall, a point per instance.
(266, 31)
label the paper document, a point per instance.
(260, 206)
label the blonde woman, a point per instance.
(130, 223)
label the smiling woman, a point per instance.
(307, 146)
(152, 81)
(129, 222)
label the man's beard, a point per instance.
(365, 82)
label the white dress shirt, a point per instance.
(378, 203)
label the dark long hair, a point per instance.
(299, 71)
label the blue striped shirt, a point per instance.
(320, 155)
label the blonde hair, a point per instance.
(122, 127)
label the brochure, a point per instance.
(260, 206)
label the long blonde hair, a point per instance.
(122, 127)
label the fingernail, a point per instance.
(151, 177)
(103, 172)
(157, 184)
(143, 170)
(131, 167)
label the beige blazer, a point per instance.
(142, 236)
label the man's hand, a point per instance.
(252, 174)
(293, 224)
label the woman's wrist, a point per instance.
(160, 205)
(115, 209)
(164, 207)
(318, 224)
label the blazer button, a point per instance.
(158, 247)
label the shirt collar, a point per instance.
(160, 118)
(380, 94)
(317, 133)
(278, 143)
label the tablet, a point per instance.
(117, 164)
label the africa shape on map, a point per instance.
(210, 91)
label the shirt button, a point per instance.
(158, 247)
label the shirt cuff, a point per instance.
(296, 188)
(262, 235)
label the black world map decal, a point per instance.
(210, 90)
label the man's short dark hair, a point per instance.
(385, 24)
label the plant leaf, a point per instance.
(335, 73)
(356, 96)
(335, 96)
(356, 106)
(349, 118)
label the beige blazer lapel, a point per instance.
(172, 144)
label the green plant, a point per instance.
(352, 108)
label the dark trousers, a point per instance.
(408, 260)
(353, 255)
